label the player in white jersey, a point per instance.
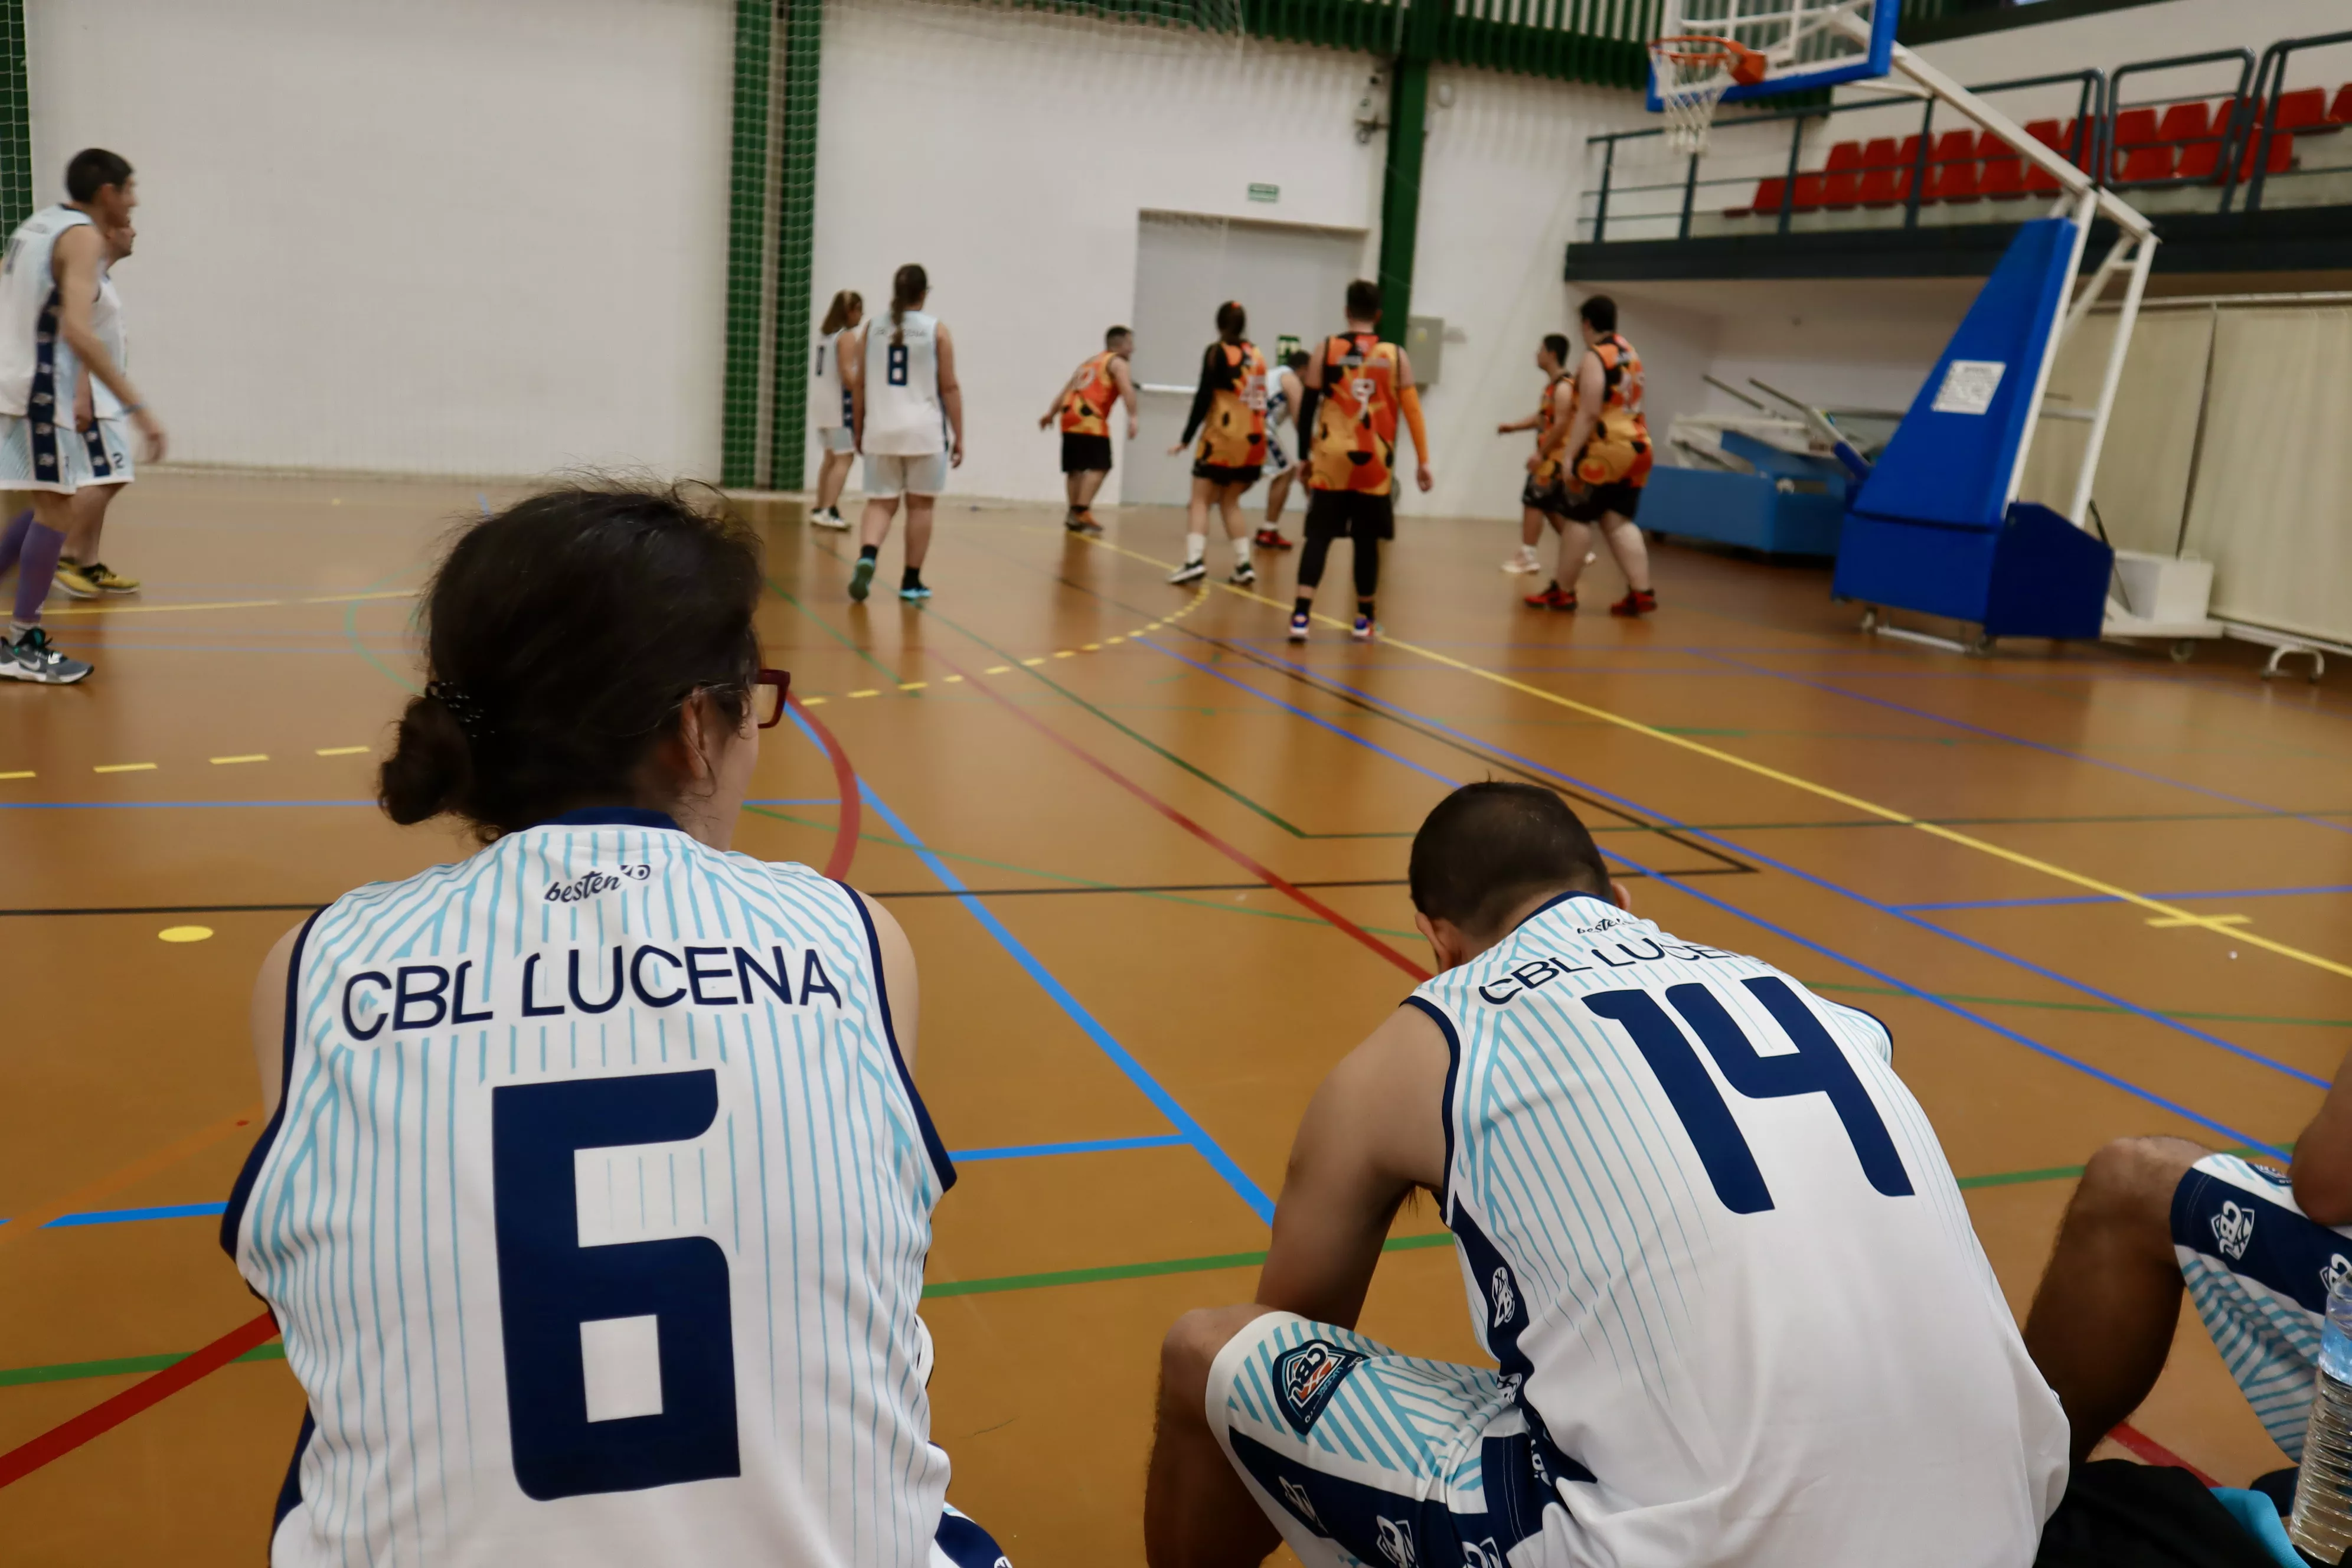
(47, 285)
(106, 439)
(830, 377)
(1705, 1229)
(595, 1194)
(910, 421)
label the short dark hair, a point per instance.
(1233, 321)
(92, 170)
(1111, 338)
(563, 637)
(1558, 343)
(1600, 313)
(1298, 359)
(1488, 847)
(1363, 299)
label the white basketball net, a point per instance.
(1691, 80)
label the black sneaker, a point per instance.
(1244, 575)
(1191, 572)
(33, 657)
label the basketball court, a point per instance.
(1150, 852)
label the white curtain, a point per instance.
(2142, 480)
(2272, 508)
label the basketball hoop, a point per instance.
(1692, 73)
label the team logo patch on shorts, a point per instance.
(1305, 1376)
(2338, 1266)
(2234, 1227)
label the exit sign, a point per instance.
(1265, 193)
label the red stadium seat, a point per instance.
(2185, 122)
(1952, 172)
(2004, 171)
(2340, 111)
(1769, 193)
(2056, 138)
(2199, 160)
(2145, 165)
(2301, 110)
(2279, 159)
(2135, 127)
(1808, 194)
(1886, 171)
(1842, 178)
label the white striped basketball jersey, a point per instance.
(594, 1216)
(36, 369)
(903, 415)
(106, 321)
(1711, 1234)
(828, 399)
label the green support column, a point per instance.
(804, 38)
(1401, 181)
(748, 235)
(16, 122)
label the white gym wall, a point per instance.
(420, 235)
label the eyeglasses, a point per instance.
(769, 688)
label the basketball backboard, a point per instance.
(1807, 44)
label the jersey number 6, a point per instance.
(550, 1284)
(1817, 1067)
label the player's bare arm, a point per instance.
(1047, 419)
(1126, 384)
(269, 1016)
(1409, 399)
(897, 976)
(1550, 445)
(1373, 1133)
(950, 398)
(1591, 391)
(76, 262)
(856, 385)
(2322, 1170)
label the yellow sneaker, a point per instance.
(74, 578)
(108, 580)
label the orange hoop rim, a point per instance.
(1746, 66)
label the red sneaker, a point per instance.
(1271, 539)
(1636, 602)
(1553, 597)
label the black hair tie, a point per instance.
(461, 706)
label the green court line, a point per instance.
(2088, 1006)
(889, 843)
(1148, 1270)
(809, 616)
(2017, 1178)
(68, 1370)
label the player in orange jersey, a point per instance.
(1084, 405)
(1357, 387)
(1536, 499)
(1606, 450)
(1229, 414)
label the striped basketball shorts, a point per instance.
(1362, 1455)
(2260, 1273)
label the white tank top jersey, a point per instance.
(828, 399)
(36, 369)
(594, 1216)
(106, 321)
(1712, 1238)
(903, 415)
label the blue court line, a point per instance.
(1187, 1128)
(1949, 935)
(161, 805)
(126, 1216)
(2055, 751)
(2107, 899)
(1084, 1146)
(1311, 718)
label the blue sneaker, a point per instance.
(920, 590)
(862, 579)
(1363, 630)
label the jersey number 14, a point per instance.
(1816, 1066)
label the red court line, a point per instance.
(148, 1392)
(1304, 900)
(2154, 1453)
(845, 786)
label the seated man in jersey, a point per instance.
(2258, 1248)
(1706, 1231)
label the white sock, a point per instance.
(16, 629)
(1196, 548)
(1241, 551)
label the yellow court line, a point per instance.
(342, 751)
(124, 768)
(1887, 813)
(230, 605)
(21, 774)
(249, 757)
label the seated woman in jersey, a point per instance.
(1229, 417)
(595, 1194)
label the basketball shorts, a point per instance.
(1362, 1455)
(1359, 515)
(889, 475)
(1590, 503)
(106, 452)
(1084, 454)
(1220, 474)
(1547, 496)
(37, 455)
(2260, 1273)
(836, 439)
(961, 1542)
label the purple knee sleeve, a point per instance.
(37, 569)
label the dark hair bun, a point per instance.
(431, 768)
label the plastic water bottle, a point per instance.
(2322, 1524)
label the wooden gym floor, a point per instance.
(1151, 858)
